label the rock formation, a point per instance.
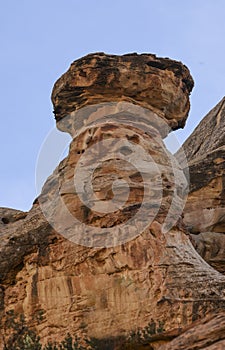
(161, 85)
(208, 333)
(204, 213)
(104, 250)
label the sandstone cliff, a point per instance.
(204, 213)
(104, 250)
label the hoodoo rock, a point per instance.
(104, 251)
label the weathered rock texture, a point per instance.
(207, 334)
(108, 290)
(204, 213)
(159, 84)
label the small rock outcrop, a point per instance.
(104, 251)
(208, 334)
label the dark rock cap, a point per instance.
(161, 85)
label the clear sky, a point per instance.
(39, 40)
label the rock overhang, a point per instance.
(160, 85)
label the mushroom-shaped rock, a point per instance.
(111, 253)
(159, 84)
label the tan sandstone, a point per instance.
(153, 273)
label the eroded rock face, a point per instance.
(208, 334)
(79, 263)
(159, 84)
(204, 213)
(208, 136)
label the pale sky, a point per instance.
(39, 40)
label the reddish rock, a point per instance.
(91, 284)
(204, 213)
(159, 84)
(207, 334)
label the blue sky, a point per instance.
(39, 40)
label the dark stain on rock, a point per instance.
(103, 300)
(34, 288)
(70, 286)
(133, 138)
(5, 221)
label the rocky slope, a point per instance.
(207, 334)
(204, 213)
(104, 250)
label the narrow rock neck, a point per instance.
(120, 172)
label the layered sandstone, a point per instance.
(204, 213)
(158, 84)
(207, 334)
(104, 251)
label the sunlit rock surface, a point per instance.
(85, 264)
